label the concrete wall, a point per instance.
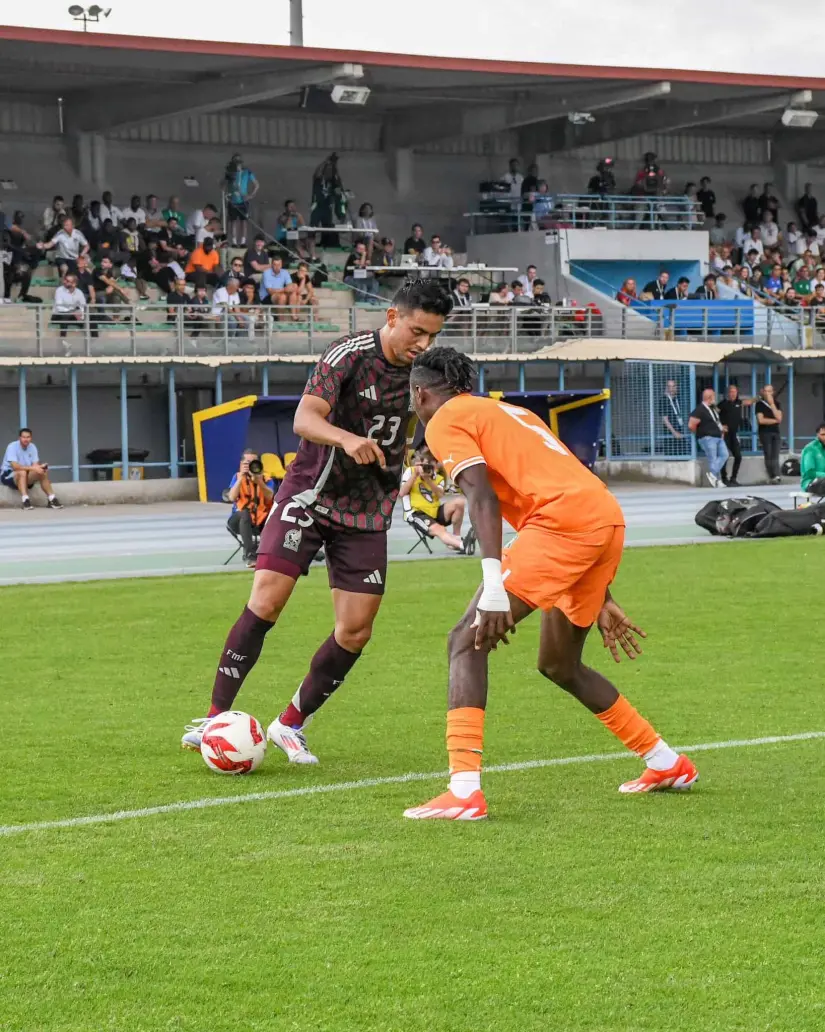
(111, 493)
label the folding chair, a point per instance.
(422, 539)
(237, 537)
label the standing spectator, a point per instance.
(627, 295)
(277, 287)
(78, 209)
(24, 260)
(49, 220)
(692, 215)
(68, 244)
(513, 179)
(22, 469)
(366, 221)
(109, 210)
(706, 198)
(807, 209)
(769, 418)
(718, 234)
(768, 202)
(173, 212)
(751, 206)
(69, 305)
(529, 189)
(681, 292)
(730, 413)
(357, 277)
(135, 211)
(673, 423)
(204, 264)
(769, 231)
(92, 224)
(656, 289)
(199, 222)
(543, 205)
(224, 302)
(328, 197)
(240, 186)
(415, 244)
(704, 421)
(812, 464)
(256, 259)
(528, 280)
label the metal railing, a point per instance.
(30, 331)
(587, 211)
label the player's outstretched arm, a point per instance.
(311, 423)
(493, 620)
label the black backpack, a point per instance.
(791, 467)
(791, 523)
(747, 520)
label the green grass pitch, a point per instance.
(574, 909)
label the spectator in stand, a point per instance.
(199, 223)
(519, 298)
(627, 295)
(69, 305)
(77, 209)
(727, 289)
(692, 216)
(513, 179)
(817, 298)
(135, 211)
(673, 424)
(461, 294)
(178, 234)
(91, 225)
(529, 189)
(528, 280)
(154, 216)
(289, 222)
(791, 238)
(304, 291)
(769, 418)
(109, 242)
(24, 260)
(752, 258)
(204, 264)
(176, 300)
(542, 205)
(745, 284)
(415, 244)
(365, 221)
(769, 231)
(650, 180)
(730, 413)
(109, 210)
(768, 202)
(173, 212)
(718, 234)
(200, 313)
(540, 295)
(707, 292)
(22, 469)
(706, 198)
(817, 278)
(107, 292)
(249, 307)
(437, 256)
(240, 186)
(819, 231)
(328, 197)
(236, 272)
(681, 292)
(704, 421)
(384, 253)
(812, 464)
(773, 284)
(358, 278)
(807, 209)
(224, 302)
(723, 258)
(276, 287)
(802, 281)
(750, 206)
(502, 295)
(67, 244)
(790, 299)
(812, 248)
(50, 216)
(256, 259)
(85, 279)
(656, 289)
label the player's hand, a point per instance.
(491, 628)
(364, 451)
(617, 630)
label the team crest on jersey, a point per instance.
(292, 539)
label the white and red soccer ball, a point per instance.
(233, 743)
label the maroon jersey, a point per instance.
(369, 398)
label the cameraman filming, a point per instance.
(426, 506)
(602, 185)
(329, 200)
(239, 186)
(252, 496)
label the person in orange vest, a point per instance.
(252, 495)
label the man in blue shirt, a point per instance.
(241, 187)
(22, 469)
(277, 287)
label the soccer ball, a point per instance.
(233, 743)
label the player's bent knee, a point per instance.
(270, 593)
(560, 672)
(353, 639)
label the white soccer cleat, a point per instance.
(194, 734)
(291, 741)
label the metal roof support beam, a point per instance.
(416, 126)
(665, 118)
(213, 94)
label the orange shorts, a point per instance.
(570, 572)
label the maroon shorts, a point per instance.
(291, 538)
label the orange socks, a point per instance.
(465, 738)
(628, 726)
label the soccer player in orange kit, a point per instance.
(569, 546)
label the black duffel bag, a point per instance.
(717, 516)
(747, 520)
(791, 523)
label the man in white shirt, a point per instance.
(528, 279)
(68, 244)
(753, 242)
(51, 214)
(435, 257)
(198, 222)
(135, 211)
(513, 178)
(769, 231)
(109, 210)
(69, 305)
(225, 299)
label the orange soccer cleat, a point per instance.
(680, 776)
(448, 807)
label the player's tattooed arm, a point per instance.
(312, 424)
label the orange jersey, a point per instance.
(536, 478)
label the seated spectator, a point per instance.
(107, 292)
(727, 289)
(502, 295)
(201, 224)
(752, 259)
(415, 244)
(199, 316)
(204, 264)
(719, 234)
(790, 298)
(769, 231)
(252, 496)
(519, 298)
(110, 243)
(811, 464)
(77, 209)
(365, 221)
(135, 211)
(542, 205)
(249, 309)
(656, 289)
(154, 216)
(818, 277)
(224, 302)
(256, 259)
(277, 287)
(304, 290)
(22, 469)
(773, 284)
(358, 278)
(173, 212)
(433, 255)
(426, 504)
(707, 200)
(817, 299)
(627, 295)
(753, 242)
(461, 294)
(768, 202)
(807, 209)
(540, 295)
(707, 292)
(383, 253)
(49, 219)
(802, 281)
(67, 244)
(109, 210)
(744, 278)
(236, 272)
(177, 300)
(528, 280)
(681, 292)
(24, 260)
(290, 221)
(69, 305)
(790, 239)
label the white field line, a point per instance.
(397, 779)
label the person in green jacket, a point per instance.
(812, 463)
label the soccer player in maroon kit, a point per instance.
(339, 493)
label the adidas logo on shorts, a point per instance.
(374, 578)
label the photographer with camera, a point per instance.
(252, 496)
(426, 506)
(329, 200)
(650, 181)
(239, 187)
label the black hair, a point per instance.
(24, 430)
(538, 283)
(683, 279)
(425, 295)
(820, 427)
(516, 283)
(444, 370)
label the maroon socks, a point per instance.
(240, 654)
(329, 666)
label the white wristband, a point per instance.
(493, 594)
(491, 572)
